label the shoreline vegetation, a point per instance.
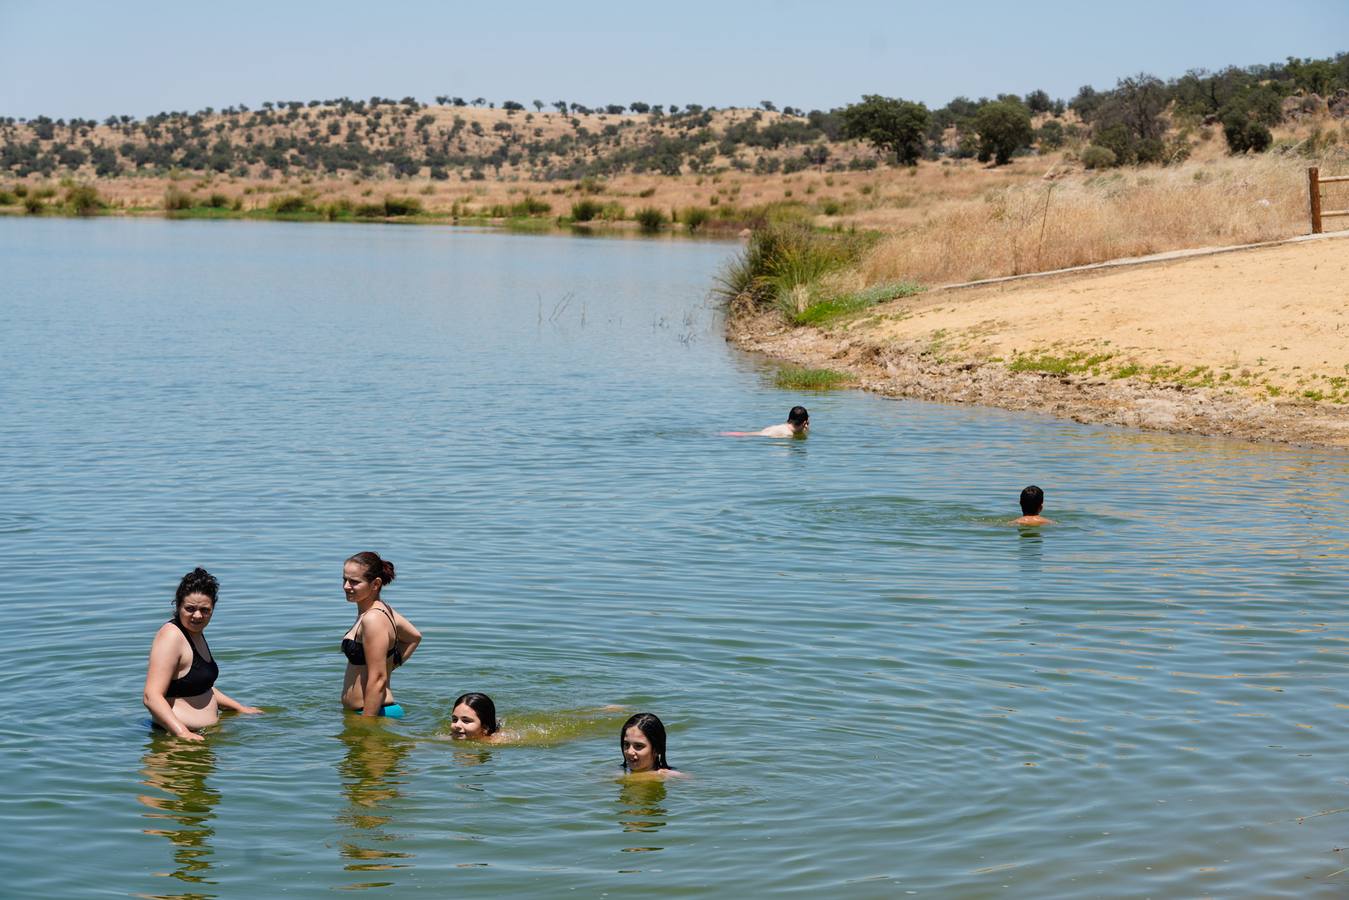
(1244, 343)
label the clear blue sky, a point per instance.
(92, 59)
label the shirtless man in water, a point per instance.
(1032, 504)
(797, 424)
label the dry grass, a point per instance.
(1085, 218)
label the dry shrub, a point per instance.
(1091, 218)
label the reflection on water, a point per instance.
(467, 753)
(641, 809)
(1030, 553)
(373, 774)
(183, 807)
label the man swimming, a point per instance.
(1032, 504)
(797, 424)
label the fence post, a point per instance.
(1314, 189)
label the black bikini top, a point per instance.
(201, 675)
(354, 650)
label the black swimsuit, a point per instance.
(354, 650)
(201, 675)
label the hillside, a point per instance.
(880, 163)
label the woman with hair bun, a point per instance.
(380, 641)
(180, 689)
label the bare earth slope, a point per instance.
(1251, 344)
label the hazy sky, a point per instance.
(92, 59)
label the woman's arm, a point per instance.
(165, 654)
(227, 702)
(409, 638)
(375, 640)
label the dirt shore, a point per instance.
(1250, 344)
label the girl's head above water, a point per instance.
(473, 716)
(642, 741)
(198, 581)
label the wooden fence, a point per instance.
(1314, 182)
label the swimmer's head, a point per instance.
(473, 716)
(799, 419)
(198, 581)
(1032, 501)
(365, 574)
(642, 742)
(194, 601)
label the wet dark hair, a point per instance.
(651, 726)
(374, 566)
(797, 416)
(198, 581)
(483, 706)
(1032, 501)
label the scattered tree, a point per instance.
(889, 125)
(1038, 101)
(1004, 128)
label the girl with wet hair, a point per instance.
(380, 640)
(642, 742)
(180, 690)
(473, 717)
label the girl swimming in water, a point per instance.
(642, 741)
(180, 690)
(380, 641)
(474, 718)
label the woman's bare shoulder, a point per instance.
(169, 632)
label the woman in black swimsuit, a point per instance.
(380, 640)
(180, 689)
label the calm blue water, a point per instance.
(877, 688)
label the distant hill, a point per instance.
(1143, 119)
(380, 138)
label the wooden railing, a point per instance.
(1314, 182)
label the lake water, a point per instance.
(878, 688)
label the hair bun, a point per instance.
(386, 568)
(198, 581)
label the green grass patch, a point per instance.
(1068, 364)
(585, 210)
(528, 223)
(830, 308)
(650, 219)
(289, 204)
(802, 379)
(202, 212)
(695, 217)
(84, 200)
(175, 200)
(402, 206)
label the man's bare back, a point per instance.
(797, 424)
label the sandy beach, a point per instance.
(1250, 344)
